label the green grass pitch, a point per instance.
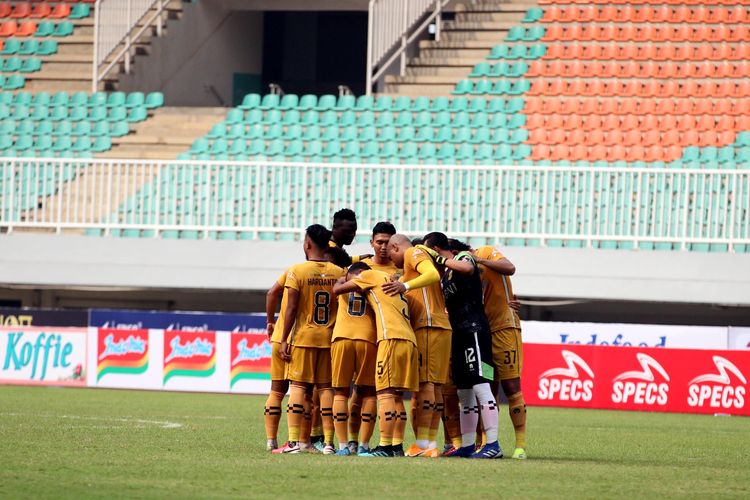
(66, 443)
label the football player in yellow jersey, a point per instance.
(421, 283)
(279, 383)
(507, 346)
(380, 261)
(344, 230)
(306, 337)
(396, 364)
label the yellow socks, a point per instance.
(517, 410)
(388, 414)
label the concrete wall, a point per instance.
(204, 48)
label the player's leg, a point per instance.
(323, 379)
(451, 419)
(355, 418)
(437, 415)
(300, 373)
(485, 397)
(304, 430)
(508, 355)
(367, 354)
(424, 403)
(465, 375)
(272, 412)
(295, 413)
(316, 436)
(439, 368)
(342, 367)
(369, 417)
(399, 429)
(272, 408)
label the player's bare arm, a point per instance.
(445, 258)
(502, 266)
(343, 287)
(290, 315)
(272, 299)
(428, 275)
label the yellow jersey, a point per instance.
(278, 329)
(316, 311)
(354, 318)
(390, 269)
(391, 311)
(426, 304)
(498, 291)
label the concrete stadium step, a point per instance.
(516, 14)
(454, 54)
(53, 86)
(413, 90)
(473, 36)
(446, 61)
(453, 71)
(504, 25)
(459, 44)
(422, 79)
(167, 133)
(495, 6)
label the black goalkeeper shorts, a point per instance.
(472, 357)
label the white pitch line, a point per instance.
(161, 423)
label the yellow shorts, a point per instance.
(310, 365)
(507, 353)
(353, 361)
(396, 366)
(434, 346)
(278, 365)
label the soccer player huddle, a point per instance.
(431, 317)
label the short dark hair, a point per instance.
(384, 227)
(338, 256)
(344, 214)
(359, 266)
(436, 239)
(319, 235)
(417, 241)
(458, 246)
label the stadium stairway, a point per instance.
(166, 134)
(65, 49)
(464, 42)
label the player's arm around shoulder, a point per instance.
(492, 259)
(462, 263)
(342, 286)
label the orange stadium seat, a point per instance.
(21, 10)
(61, 11)
(26, 28)
(41, 10)
(5, 9)
(8, 28)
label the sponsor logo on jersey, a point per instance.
(716, 390)
(642, 387)
(124, 352)
(189, 354)
(250, 357)
(570, 383)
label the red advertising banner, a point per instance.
(630, 378)
(189, 354)
(250, 355)
(121, 351)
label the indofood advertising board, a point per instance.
(180, 360)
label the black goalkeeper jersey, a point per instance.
(464, 298)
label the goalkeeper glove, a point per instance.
(439, 259)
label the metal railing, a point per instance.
(548, 205)
(391, 26)
(118, 25)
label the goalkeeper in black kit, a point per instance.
(471, 345)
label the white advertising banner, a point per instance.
(125, 359)
(48, 356)
(739, 337)
(619, 334)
